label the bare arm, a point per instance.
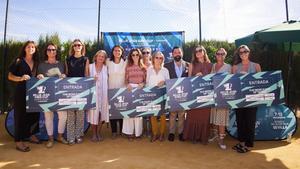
(14, 78)
(258, 68)
(190, 70)
(87, 66)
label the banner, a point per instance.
(53, 94)
(157, 41)
(190, 92)
(225, 91)
(249, 90)
(272, 123)
(149, 101)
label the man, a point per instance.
(177, 68)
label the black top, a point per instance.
(19, 68)
(76, 66)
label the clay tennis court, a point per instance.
(122, 154)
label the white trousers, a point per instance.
(133, 126)
(62, 119)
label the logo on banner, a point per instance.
(228, 93)
(121, 99)
(228, 86)
(180, 94)
(41, 95)
(41, 89)
(121, 104)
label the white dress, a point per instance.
(101, 110)
(133, 125)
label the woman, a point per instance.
(135, 76)
(146, 61)
(99, 115)
(53, 68)
(116, 79)
(156, 76)
(219, 116)
(22, 69)
(245, 117)
(197, 120)
(77, 65)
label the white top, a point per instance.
(116, 74)
(154, 78)
(101, 94)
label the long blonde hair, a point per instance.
(72, 51)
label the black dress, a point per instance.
(25, 124)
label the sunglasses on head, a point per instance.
(145, 53)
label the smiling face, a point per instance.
(100, 58)
(135, 57)
(30, 49)
(244, 54)
(158, 59)
(51, 52)
(77, 46)
(117, 52)
(220, 55)
(199, 54)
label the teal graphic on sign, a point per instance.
(272, 123)
(54, 94)
(149, 101)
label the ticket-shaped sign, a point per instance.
(54, 94)
(149, 101)
(249, 90)
(225, 91)
(190, 93)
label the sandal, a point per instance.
(24, 149)
(33, 139)
(237, 146)
(243, 149)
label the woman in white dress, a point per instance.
(99, 115)
(116, 79)
(219, 116)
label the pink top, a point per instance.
(135, 75)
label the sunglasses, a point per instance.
(242, 52)
(77, 45)
(145, 53)
(49, 50)
(220, 54)
(134, 55)
(159, 58)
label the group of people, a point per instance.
(140, 68)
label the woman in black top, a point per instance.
(77, 65)
(26, 124)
